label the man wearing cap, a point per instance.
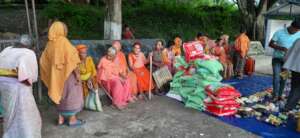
(18, 71)
(281, 41)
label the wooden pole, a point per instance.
(150, 86)
(37, 48)
(28, 19)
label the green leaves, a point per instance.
(81, 19)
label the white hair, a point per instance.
(112, 51)
(25, 40)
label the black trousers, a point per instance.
(294, 95)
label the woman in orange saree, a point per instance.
(121, 60)
(137, 62)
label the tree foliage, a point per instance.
(251, 11)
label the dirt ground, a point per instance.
(161, 117)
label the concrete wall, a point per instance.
(97, 48)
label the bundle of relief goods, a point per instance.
(193, 50)
(191, 79)
(221, 100)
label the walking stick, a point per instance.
(105, 91)
(149, 93)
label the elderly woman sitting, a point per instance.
(88, 73)
(113, 80)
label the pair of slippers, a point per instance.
(78, 123)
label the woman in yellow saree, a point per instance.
(88, 72)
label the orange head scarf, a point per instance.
(58, 61)
(81, 48)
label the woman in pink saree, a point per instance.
(112, 79)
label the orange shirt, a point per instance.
(242, 44)
(137, 61)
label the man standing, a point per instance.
(242, 45)
(18, 71)
(281, 41)
(292, 63)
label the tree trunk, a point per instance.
(253, 18)
(260, 24)
(113, 20)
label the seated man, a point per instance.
(18, 71)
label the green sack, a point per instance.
(194, 102)
(179, 61)
(175, 85)
(205, 83)
(212, 78)
(92, 101)
(213, 66)
(178, 74)
(186, 91)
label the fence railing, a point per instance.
(6, 43)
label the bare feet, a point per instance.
(61, 120)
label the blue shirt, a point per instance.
(284, 39)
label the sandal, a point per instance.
(78, 123)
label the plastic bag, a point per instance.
(222, 91)
(211, 95)
(92, 101)
(193, 50)
(227, 102)
(221, 111)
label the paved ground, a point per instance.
(160, 118)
